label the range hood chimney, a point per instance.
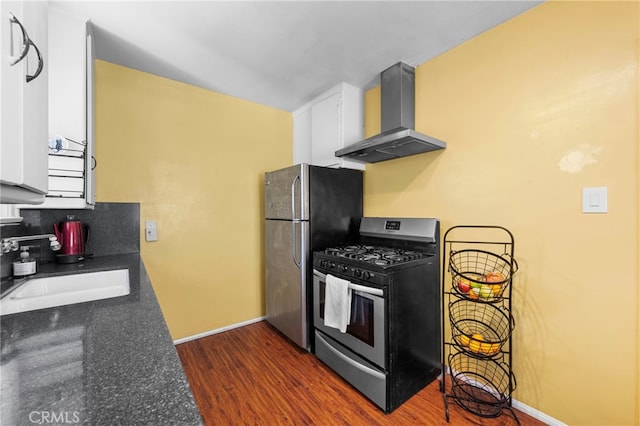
(398, 137)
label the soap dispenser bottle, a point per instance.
(26, 265)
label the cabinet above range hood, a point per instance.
(398, 137)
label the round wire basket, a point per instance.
(481, 275)
(481, 386)
(480, 328)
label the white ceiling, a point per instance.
(282, 53)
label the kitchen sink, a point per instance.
(48, 292)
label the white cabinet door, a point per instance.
(71, 56)
(326, 125)
(23, 172)
(302, 135)
(91, 164)
(11, 78)
(35, 104)
(329, 123)
(67, 103)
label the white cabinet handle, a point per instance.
(40, 63)
(27, 43)
(13, 59)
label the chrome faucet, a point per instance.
(13, 243)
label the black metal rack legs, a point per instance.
(477, 352)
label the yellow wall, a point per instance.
(558, 82)
(638, 229)
(195, 161)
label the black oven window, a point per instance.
(361, 325)
(362, 316)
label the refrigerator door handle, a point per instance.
(294, 221)
(293, 197)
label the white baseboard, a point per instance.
(536, 414)
(217, 330)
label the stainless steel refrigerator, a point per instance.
(307, 208)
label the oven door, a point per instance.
(365, 333)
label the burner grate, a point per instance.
(376, 255)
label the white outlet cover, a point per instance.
(594, 200)
(151, 230)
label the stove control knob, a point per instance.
(366, 275)
(332, 265)
(358, 273)
(345, 268)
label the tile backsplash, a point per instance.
(114, 228)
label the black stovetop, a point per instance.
(374, 255)
(372, 264)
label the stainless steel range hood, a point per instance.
(398, 137)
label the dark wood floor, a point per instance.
(253, 375)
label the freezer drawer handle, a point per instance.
(352, 286)
(363, 368)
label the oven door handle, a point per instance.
(363, 368)
(352, 286)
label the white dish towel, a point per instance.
(337, 303)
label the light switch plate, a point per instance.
(151, 230)
(594, 200)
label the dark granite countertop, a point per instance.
(107, 362)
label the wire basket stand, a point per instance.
(477, 352)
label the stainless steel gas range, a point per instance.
(391, 347)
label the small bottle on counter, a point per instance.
(26, 265)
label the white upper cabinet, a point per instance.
(23, 105)
(328, 123)
(67, 78)
(71, 168)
